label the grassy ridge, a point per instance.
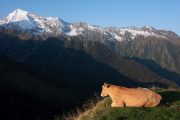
(169, 109)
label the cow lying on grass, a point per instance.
(134, 97)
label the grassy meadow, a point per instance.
(169, 109)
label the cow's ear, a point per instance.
(108, 85)
(105, 84)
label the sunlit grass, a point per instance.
(169, 109)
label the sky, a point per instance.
(161, 14)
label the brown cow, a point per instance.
(134, 97)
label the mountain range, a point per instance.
(66, 56)
(132, 41)
(54, 26)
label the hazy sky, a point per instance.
(162, 14)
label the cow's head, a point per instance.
(105, 90)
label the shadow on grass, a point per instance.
(118, 118)
(168, 97)
(122, 118)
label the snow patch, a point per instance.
(74, 32)
(134, 33)
(17, 15)
(147, 26)
(115, 36)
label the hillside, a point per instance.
(75, 60)
(167, 110)
(71, 52)
(27, 94)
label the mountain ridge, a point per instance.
(54, 26)
(126, 42)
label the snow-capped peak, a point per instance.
(18, 19)
(22, 20)
(17, 15)
(53, 26)
(148, 27)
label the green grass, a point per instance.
(169, 109)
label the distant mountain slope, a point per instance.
(59, 58)
(163, 52)
(147, 42)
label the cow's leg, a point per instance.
(148, 104)
(153, 101)
(119, 104)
